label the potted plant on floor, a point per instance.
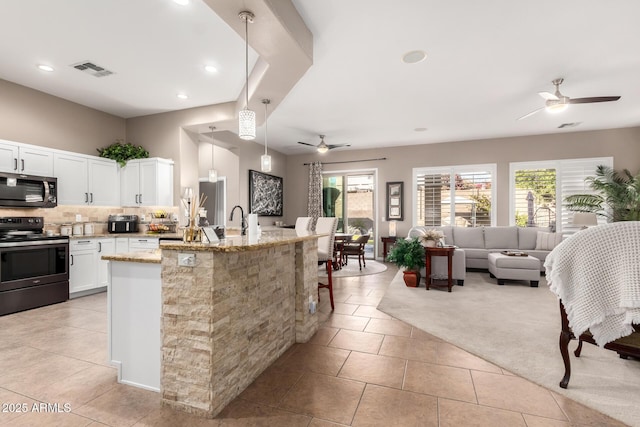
(408, 253)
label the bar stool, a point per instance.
(325, 251)
(303, 223)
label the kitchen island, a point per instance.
(228, 311)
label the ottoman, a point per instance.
(505, 267)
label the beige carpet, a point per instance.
(352, 269)
(517, 328)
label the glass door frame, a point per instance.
(344, 173)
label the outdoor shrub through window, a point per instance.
(461, 195)
(538, 190)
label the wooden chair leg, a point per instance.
(565, 337)
(579, 349)
(329, 285)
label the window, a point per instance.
(457, 195)
(538, 188)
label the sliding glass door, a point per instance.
(350, 196)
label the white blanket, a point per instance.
(596, 275)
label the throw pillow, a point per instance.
(547, 241)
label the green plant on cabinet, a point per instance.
(121, 152)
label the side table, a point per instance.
(431, 252)
(387, 243)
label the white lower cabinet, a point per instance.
(105, 247)
(141, 244)
(82, 265)
(87, 270)
(122, 245)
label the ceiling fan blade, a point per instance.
(306, 143)
(593, 99)
(332, 146)
(548, 96)
(531, 113)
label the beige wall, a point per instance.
(33, 117)
(621, 144)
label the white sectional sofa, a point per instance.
(475, 243)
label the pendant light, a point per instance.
(213, 173)
(247, 118)
(265, 159)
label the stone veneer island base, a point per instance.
(232, 314)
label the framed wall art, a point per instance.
(395, 210)
(265, 194)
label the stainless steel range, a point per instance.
(34, 267)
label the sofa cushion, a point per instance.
(416, 232)
(468, 237)
(447, 230)
(547, 241)
(476, 253)
(527, 236)
(500, 237)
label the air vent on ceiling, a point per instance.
(92, 69)
(569, 125)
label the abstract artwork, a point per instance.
(265, 194)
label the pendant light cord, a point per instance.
(246, 60)
(266, 129)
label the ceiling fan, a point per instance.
(323, 147)
(557, 102)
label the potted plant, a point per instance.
(408, 253)
(432, 237)
(121, 152)
(618, 198)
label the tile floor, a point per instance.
(362, 368)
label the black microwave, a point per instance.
(28, 191)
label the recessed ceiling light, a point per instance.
(210, 68)
(44, 67)
(414, 57)
(420, 129)
(182, 96)
(181, 2)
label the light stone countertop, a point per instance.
(127, 235)
(149, 257)
(245, 243)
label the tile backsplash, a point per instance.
(98, 215)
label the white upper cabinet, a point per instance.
(25, 159)
(104, 182)
(147, 182)
(86, 180)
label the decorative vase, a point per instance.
(430, 243)
(192, 233)
(411, 278)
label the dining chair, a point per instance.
(356, 248)
(326, 226)
(303, 223)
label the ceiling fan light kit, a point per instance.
(323, 147)
(557, 102)
(246, 117)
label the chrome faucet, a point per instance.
(243, 221)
